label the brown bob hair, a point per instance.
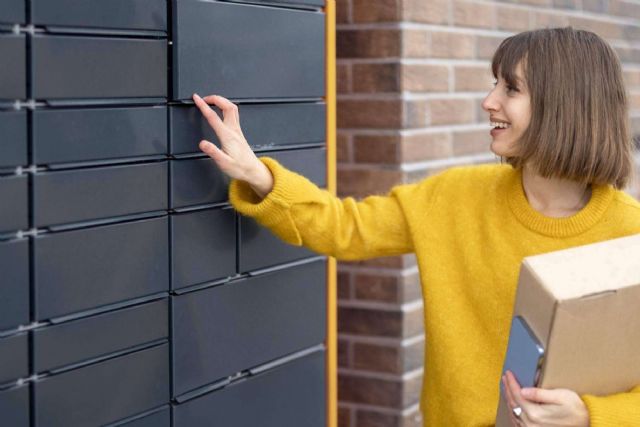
(578, 129)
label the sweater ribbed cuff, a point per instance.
(617, 410)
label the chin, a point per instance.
(501, 149)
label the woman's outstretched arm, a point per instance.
(294, 208)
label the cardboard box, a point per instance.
(583, 305)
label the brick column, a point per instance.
(411, 77)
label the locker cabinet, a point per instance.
(161, 418)
(288, 395)
(68, 67)
(14, 354)
(14, 406)
(110, 14)
(14, 298)
(84, 339)
(14, 214)
(203, 246)
(197, 182)
(134, 383)
(85, 269)
(280, 57)
(63, 197)
(12, 12)
(246, 323)
(265, 126)
(13, 134)
(13, 79)
(83, 134)
(259, 248)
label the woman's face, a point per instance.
(509, 111)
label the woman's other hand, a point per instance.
(541, 407)
(235, 157)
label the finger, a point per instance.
(540, 395)
(212, 118)
(507, 394)
(229, 109)
(514, 389)
(214, 152)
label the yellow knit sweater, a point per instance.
(469, 227)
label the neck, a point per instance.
(554, 197)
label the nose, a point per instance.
(490, 102)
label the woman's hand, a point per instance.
(235, 159)
(541, 407)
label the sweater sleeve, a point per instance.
(301, 213)
(616, 410)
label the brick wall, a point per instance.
(411, 77)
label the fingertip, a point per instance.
(204, 145)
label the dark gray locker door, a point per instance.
(83, 269)
(104, 392)
(247, 323)
(160, 418)
(89, 194)
(13, 81)
(281, 57)
(289, 395)
(297, 2)
(12, 12)
(14, 406)
(14, 354)
(73, 135)
(117, 14)
(15, 203)
(203, 246)
(14, 298)
(91, 67)
(312, 163)
(84, 339)
(265, 126)
(13, 138)
(197, 182)
(259, 248)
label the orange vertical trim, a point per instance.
(332, 324)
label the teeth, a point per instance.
(500, 125)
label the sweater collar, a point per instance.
(581, 221)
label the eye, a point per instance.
(512, 89)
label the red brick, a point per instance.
(344, 417)
(415, 114)
(360, 183)
(370, 113)
(416, 44)
(425, 146)
(343, 81)
(451, 111)
(471, 142)
(382, 323)
(373, 287)
(602, 28)
(425, 78)
(371, 418)
(487, 45)
(343, 11)
(343, 148)
(378, 43)
(378, 11)
(470, 78)
(624, 8)
(376, 78)
(550, 20)
(634, 101)
(344, 353)
(452, 45)
(512, 19)
(370, 391)
(632, 79)
(377, 358)
(376, 149)
(471, 14)
(344, 285)
(430, 12)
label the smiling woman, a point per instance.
(559, 121)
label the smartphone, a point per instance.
(525, 354)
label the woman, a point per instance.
(558, 112)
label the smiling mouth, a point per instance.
(500, 125)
